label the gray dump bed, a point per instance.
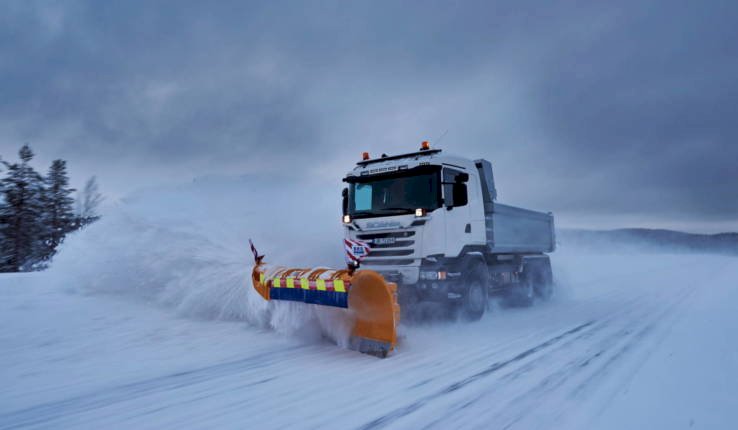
(511, 229)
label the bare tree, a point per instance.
(88, 202)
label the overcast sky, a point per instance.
(609, 114)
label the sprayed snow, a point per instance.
(186, 248)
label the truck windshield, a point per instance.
(394, 195)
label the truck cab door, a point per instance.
(456, 210)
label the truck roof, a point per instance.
(386, 157)
(388, 163)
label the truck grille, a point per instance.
(389, 244)
(387, 262)
(393, 253)
(396, 234)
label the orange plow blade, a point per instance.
(365, 293)
(374, 302)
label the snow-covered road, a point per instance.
(630, 341)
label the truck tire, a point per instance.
(474, 302)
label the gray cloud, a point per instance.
(589, 110)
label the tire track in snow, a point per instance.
(51, 411)
(592, 367)
(406, 410)
(561, 342)
(471, 357)
(611, 348)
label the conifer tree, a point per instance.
(5, 244)
(58, 215)
(24, 229)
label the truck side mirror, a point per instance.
(460, 197)
(344, 200)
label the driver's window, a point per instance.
(449, 179)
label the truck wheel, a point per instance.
(544, 282)
(475, 300)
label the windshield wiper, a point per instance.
(397, 209)
(381, 211)
(360, 213)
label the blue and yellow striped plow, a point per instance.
(307, 288)
(371, 299)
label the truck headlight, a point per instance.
(346, 219)
(432, 276)
(429, 276)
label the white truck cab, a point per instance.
(434, 228)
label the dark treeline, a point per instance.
(37, 212)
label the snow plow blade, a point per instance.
(370, 299)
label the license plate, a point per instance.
(384, 241)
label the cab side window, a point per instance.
(454, 189)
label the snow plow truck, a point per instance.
(419, 227)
